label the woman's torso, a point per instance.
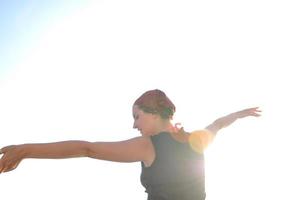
(177, 171)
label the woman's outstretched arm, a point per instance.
(200, 139)
(229, 119)
(135, 149)
(14, 154)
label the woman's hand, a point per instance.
(248, 112)
(12, 156)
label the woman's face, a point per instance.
(144, 122)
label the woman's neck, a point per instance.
(177, 134)
(164, 126)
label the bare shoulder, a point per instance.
(131, 150)
(149, 150)
(141, 142)
(147, 147)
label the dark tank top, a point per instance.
(177, 173)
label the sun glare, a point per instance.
(81, 77)
(199, 140)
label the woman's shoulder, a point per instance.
(170, 137)
(180, 136)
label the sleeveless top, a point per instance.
(177, 173)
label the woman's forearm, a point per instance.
(222, 123)
(226, 120)
(229, 119)
(56, 150)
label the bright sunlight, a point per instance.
(75, 70)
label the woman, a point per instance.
(172, 159)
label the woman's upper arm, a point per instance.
(132, 150)
(213, 128)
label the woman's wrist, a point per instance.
(24, 150)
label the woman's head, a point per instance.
(152, 109)
(156, 102)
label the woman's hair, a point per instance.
(156, 102)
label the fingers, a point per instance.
(9, 168)
(2, 170)
(7, 163)
(256, 109)
(6, 167)
(256, 112)
(2, 166)
(7, 148)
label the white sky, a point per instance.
(80, 78)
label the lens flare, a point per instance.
(200, 139)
